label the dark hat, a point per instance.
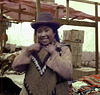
(45, 18)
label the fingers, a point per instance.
(50, 48)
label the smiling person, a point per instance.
(48, 63)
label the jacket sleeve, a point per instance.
(61, 64)
(21, 61)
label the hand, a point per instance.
(51, 48)
(33, 47)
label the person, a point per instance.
(47, 63)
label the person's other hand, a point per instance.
(51, 48)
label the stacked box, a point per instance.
(75, 38)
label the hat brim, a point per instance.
(37, 24)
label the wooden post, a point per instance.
(5, 36)
(38, 7)
(96, 38)
(1, 49)
(37, 11)
(19, 15)
(67, 9)
(1, 16)
(57, 12)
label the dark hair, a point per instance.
(56, 34)
(54, 30)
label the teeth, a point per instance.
(44, 39)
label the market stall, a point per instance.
(26, 11)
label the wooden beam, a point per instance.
(17, 11)
(15, 20)
(75, 23)
(10, 10)
(85, 1)
(96, 38)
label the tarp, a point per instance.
(30, 6)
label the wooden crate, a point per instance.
(75, 38)
(76, 48)
(73, 35)
(76, 60)
(76, 53)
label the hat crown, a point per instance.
(45, 17)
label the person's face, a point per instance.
(45, 35)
